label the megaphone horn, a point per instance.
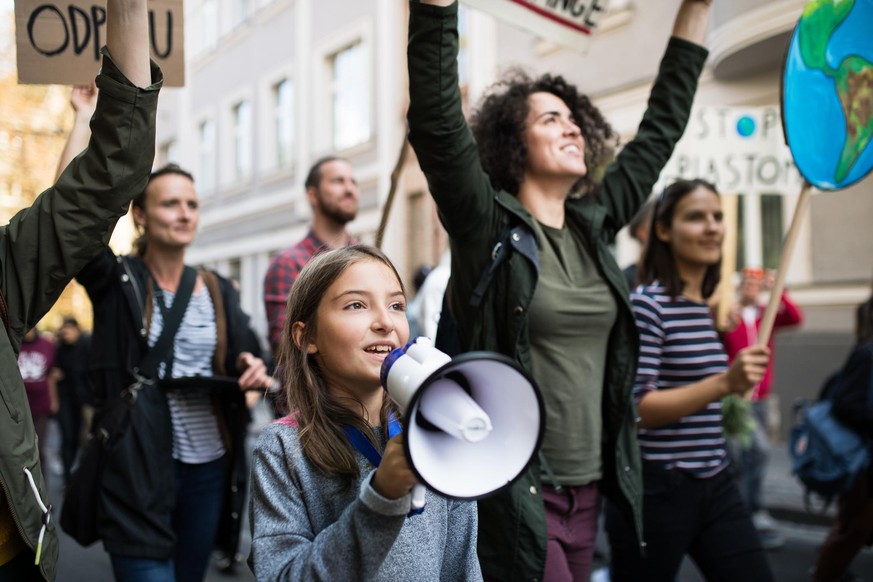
(472, 423)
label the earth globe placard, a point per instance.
(827, 92)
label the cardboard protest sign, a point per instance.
(739, 149)
(59, 42)
(827, 93)
(569, 23)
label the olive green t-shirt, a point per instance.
(571, 316)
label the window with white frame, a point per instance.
(168, 152)
(349, 89)
(283, 121)
(205, 31)
(760, 228)
(206, 156)
(242, 139)
(241, 9)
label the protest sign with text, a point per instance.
(569, 23)
(59, 42)
(741, 150)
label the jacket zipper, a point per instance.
(46, 514)
(17, 521)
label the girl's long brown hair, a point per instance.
(319, 415)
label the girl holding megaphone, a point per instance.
(331, 486)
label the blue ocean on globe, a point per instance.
(814, 122)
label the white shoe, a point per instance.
(763, 521)
(770, 540)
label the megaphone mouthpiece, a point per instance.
(448, 406)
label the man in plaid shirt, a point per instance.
(333, 194)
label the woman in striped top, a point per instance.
(691, 502)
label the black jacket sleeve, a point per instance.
(852, 402)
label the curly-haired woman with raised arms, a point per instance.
(559, 303)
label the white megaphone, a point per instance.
(472, 423)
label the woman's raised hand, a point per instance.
(690, 23)
(83, 99)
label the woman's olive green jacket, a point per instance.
(41, 250)
(512, 526)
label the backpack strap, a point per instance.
(147, 370)
(447, 334)
(499, 254)
(219, 357)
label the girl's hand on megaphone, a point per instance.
(394, 478)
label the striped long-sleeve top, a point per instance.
(678, 346)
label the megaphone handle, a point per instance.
(418, 496)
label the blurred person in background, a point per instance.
(852, 395)
(36, 361)
(75, 398)
(333, 194)
(412, 307)
(751, 456)
(429, 300)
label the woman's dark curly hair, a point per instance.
(499, 122)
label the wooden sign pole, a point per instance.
(729, 204)
(392, 191)
(787, 249)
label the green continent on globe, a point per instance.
(853, 79)
(819, 21)
(854, 83)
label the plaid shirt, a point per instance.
(281, 274)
